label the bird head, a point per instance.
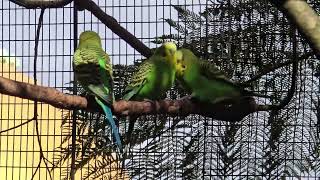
(170, 48)
(167, 50)
(180, 64)
(89, 37)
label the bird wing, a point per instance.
(96, 72)
(211, 72)
(103, 88)
(138, 79)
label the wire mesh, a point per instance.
(242, 37)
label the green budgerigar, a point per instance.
(205, 81)
(94, 72)
(154, 77)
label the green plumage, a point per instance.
(155, 76)
(205, 81)
(93, 69)
(94, 72)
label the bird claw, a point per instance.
(224, 100)
(191, 98)
(187, 97)
(149, 100)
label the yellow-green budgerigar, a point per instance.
(205, 81)
(94, 72)
(153, 78)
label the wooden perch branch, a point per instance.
(305, 18)
(185, 106)
(115, 27)
(42, 94)
(31, 4)
(180, 107)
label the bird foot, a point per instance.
(146, 99)
(149, 100)
(190, 98)
(224, 101)
(187, 97)
(153, 103)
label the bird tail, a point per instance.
(128, 138)
(132, 120)
(111, 122)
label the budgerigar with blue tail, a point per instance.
(94, 72)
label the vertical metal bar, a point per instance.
(74, 115)
(206, 56)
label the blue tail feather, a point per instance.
(111, 122)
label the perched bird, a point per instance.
(205, 81)
(94, 72)
(154, 77)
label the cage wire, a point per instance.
(242, 37)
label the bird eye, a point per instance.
(183, 66)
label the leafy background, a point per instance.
(242, 38)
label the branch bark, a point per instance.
(181, 107)
(305, 18)
(41, 94)
(31, 4)
(115, 27)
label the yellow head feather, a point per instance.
(171, 46)
(90, 37)
(167, 51)
(180, 67)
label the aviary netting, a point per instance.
(255, 45)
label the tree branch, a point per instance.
(32, 4)
(271, 68)
(41, 94)
(292, 89)
(17, 126)
(305, 18)
(35, 110)
(185, 106)
(115, 27)
(180, 107)
(91, 6)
